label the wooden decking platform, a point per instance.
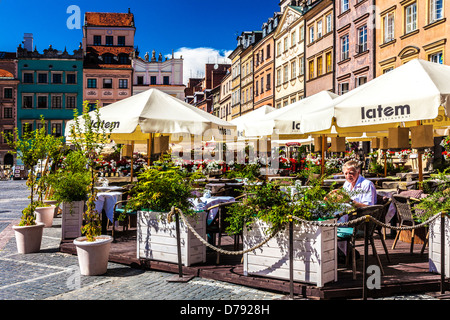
(405, 274)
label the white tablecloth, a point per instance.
(203, 203)
(106, 201)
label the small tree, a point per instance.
(30, 148)
(90, 140)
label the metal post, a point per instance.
(291, 258)
(366, 258)
(443, 252)
(180, 277)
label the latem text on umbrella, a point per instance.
(105, 124)
(385, 112)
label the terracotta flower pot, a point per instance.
(45, 215)
(29, 238)
(93, 255)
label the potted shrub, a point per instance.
(265, 212)
(30, 148)
(89, 139)
(70, 185)
(159, 188)
(433, 204)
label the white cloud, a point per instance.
(194, 60)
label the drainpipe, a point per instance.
(374, 36)
(334, 47)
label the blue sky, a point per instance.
(197, 29)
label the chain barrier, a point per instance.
(315, 223)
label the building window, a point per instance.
(388, 24)
(107, 83)
(344, 6)
(329, 61)
(311, 69)
(302, 33)
(278, 48)
(71, 102)
(301, 69)
(319, 29)
(27, 128)
(388, 69)
(268, 82)
(293, 39)
(166, 80)
(109, 40)
(7, 133)
(343, 88)
(362, 39)
(57, 78)
(7, 93)
(140, 80)
(97, 40)
(123, 83)
(329, 22)
(344, 47)
(293, 69)
(8, 113)
(410, 18)
(278, 77)
(360, 81)
(437, 57)
(285, 74)
(42, 102)
(123, 59)
(285, 44)
(121, 40)
(71, 78)
(92, 83)
(56, 129)
(56, 102)
(42, 78)
(108, 58)
(27, 102)
(268, 51)
(262, 85)
(153, 80)
(436, 10)
(311, 34)
(319, 66)
(28, 77)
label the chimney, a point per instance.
(28, 41)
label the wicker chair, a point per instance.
(375, 211)
(405, 211)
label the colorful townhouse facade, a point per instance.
(411, 29)
(289, 57)
(108, 47)
(158, 73)
(264, 71)
(354, 63)
(247, 74)
(50, 85)
(8, 103)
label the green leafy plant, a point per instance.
(89, 138)
(437, 200)
(160, 188)
(31, 147)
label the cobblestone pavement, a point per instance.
(52, 275)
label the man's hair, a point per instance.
(352, 164)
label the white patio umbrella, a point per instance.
(286, 120)
(407, 95)
(250, 117)
(134, 119)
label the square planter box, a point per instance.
(315, 253)
(72, 219)
(434, 247)
(157, 238)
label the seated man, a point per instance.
(362, 191)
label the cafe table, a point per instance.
(105, 203)
(205, 202)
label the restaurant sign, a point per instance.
(381, 114)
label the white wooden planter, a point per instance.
(434, 249)
(157, 238)
(315, 253)
(72, 219)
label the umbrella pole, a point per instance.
(419, 162)
(131, 169)
(322, 169)
(149, 145)
(385, 163)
